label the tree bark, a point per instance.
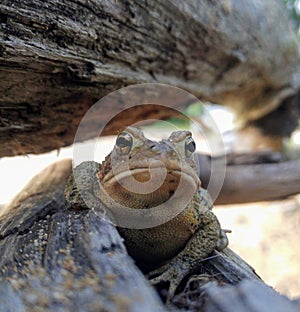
(253, 178)
(69, 261)
(56, 259)
(58, 57)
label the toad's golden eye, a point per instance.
(190, 146)
(124, 143)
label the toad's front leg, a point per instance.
(200, 246)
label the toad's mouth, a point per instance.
(148, 187)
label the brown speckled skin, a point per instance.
(175, 247)
(152, 246)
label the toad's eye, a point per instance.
(190, 146)
(124, 143)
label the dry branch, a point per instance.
(253, 182)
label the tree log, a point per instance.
(69, 261)
(249, 181)
(247, 296)
(58, 57)
(56, 259)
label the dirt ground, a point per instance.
(267, 235)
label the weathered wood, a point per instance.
(58, 57)
(253, 179)
(203, 293)
(69, 261)
(56, 259)
(247, 296)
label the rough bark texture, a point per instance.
(248, 296)
(58, 57)
(254, 177)
(55, 259)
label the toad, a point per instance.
(142, 174)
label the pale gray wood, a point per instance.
(55, 259)
(270, 179)
(245, 297)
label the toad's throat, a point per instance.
(146, 188)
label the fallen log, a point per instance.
(57, 58)
(54, 258)
(252, 181)
(68, 261)
(246, 296)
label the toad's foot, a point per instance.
(197, 249)
(172, 272)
